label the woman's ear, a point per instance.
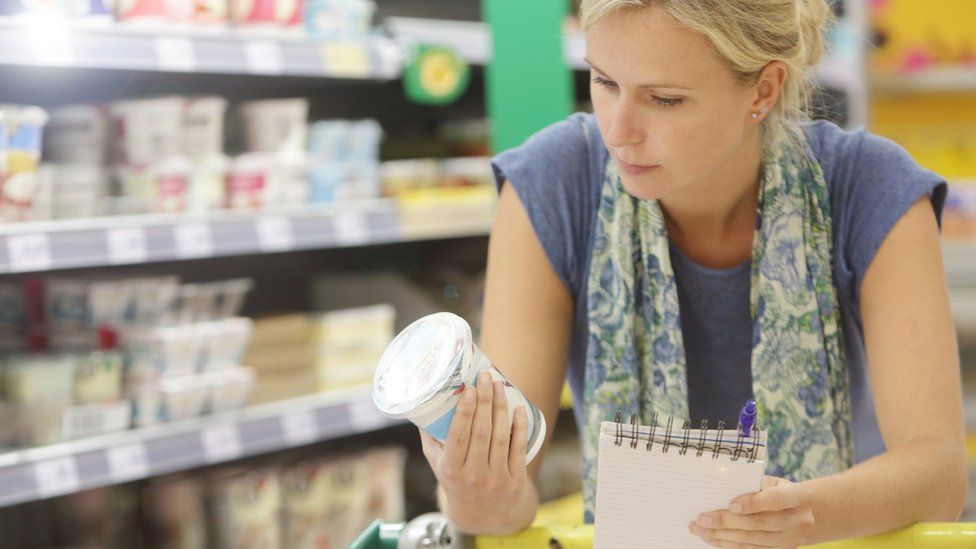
(768, 87)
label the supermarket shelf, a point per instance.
(46, 246)
(472, 41)
(106, 45)
(50, 471)
(960, 263)
(947, 80)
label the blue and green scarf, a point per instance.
(635, 359)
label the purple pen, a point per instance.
(747, 418)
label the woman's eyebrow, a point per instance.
(653, 85)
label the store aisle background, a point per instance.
(231, 212)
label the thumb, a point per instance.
(772, 482)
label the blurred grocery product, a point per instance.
(914, 37)
(339, 19)
(275, 125)
(959, 215)
(174, 512)
(109, 353)
(327, 503)
(21, 131)
(282, 354)
(77, 134)
(245, 507)
(349, 344)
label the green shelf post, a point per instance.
(528, 85)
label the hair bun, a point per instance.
(813, 16)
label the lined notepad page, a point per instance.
(647, 499)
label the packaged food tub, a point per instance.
(275, 125)
(166, 398)
(332, 19)
(425, 370)
(203, 127)
(21, 148)
(227, 340)
(165, 350)
(146, 131)
(229, 388)
(77, 134)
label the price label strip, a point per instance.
(53, 49)
(364, 416)
(275, 234)
(300, 428)
(175, 54)
(127, 246)
(221, 443)
(193, 240)
(351, 229)
(264, 57)
(347, 60)
(126, 463)
(29, 252)
(56, 477)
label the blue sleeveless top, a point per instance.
(872, 181)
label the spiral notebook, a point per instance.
(652, 482)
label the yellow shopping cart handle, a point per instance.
(928, 535)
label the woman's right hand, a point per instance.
(481, 466)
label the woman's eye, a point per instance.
(662, 101)
(667, 102)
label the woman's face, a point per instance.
(670, 110)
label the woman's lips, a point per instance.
(634, 169)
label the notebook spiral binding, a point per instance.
(745, 447)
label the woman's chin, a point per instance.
(643, 190)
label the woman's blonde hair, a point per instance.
(749, 34)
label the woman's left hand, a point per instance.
(781, 515)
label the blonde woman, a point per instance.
(697, 242)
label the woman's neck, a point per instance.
(713, 223)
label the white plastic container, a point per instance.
(203, 127)
(275, 125)
(23, 133)
(229, 388)
(167, 398)
(147, 130)
(77, 134)
(425, 370)
(226, 342)
(164, 350)
(334, 19)
(208, 189)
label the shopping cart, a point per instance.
(433, 531)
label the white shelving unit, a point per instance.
(107, 241)
(60, 469)
(944, 80)
(49, 471)
(472, 41)
(108, 45)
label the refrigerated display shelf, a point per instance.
(938, 80)
(65, 468)
(48, 42)
(122, 240)
(472, 41)
(960, 263)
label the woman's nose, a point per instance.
(624, 127)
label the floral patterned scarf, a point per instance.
(635, 359)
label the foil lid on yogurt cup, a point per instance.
(424, 364)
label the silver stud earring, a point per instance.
(764, 109)
(755, 116)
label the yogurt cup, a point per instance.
(424, 371)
